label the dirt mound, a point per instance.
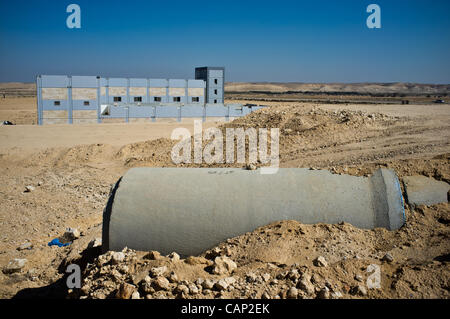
(290, 260)
(71, 185)
(148, 153)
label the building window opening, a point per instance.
(117, 99)
(138, 99)
(57, 103)
(195, 99)
(157, 99)
(177, 99)
(86, 103)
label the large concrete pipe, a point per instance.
(189, 210)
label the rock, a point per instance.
(173, 277)
(153, 255)
(193, 289)
(324, 293)
(388, 257)
(15, 265)
(124, 269)
(223, 265)
(292, 293)
(182, 289)
(250, 277)
(199, 281)
(158, 271)
(336, 295)
(359, 290)
(160, 295)
(125, 291)
(147, 287)
(251, 167)
(359, 278)
(208, 284)
(71, 234)
(265, 295)
(174, 257)
(117, 257)
(103, 259)
(139, 276)
(193, 260)
(25, 246)
(85, 289)
(161, 283)
(230, 280)
(306, 285)
(98, 295)
(266, 277)
(28, 189)
(320, 262)
(136, 295)
(293, 274)
(147, 279)
(97, 242)
(221, 285)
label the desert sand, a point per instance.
(72, 168)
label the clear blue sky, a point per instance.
(283, 41)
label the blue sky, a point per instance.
(279, 41)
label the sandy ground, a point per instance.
(72, 168)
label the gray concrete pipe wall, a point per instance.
(189, 210)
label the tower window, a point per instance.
(215, 81)
(215, 101)
(157, 99)
(86, 103)
(195, 99)
(177, 99)
(138, 99)
(215, 91)
(57, 103)
(117, 99)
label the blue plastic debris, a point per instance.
(58, 243)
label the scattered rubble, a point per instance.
(270, 260)
(71, 234)
(117, 257)
(97, 242)
(29, 189)
(25, 246)
(223, 265)
(15, 265)
(320, 262)
(388, 257)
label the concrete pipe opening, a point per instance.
(189, 210)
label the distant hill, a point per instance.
(18, 89)
(29, 89)
(361, 88)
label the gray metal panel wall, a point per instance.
(70, 100)
(209, 74)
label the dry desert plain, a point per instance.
(72, 168)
